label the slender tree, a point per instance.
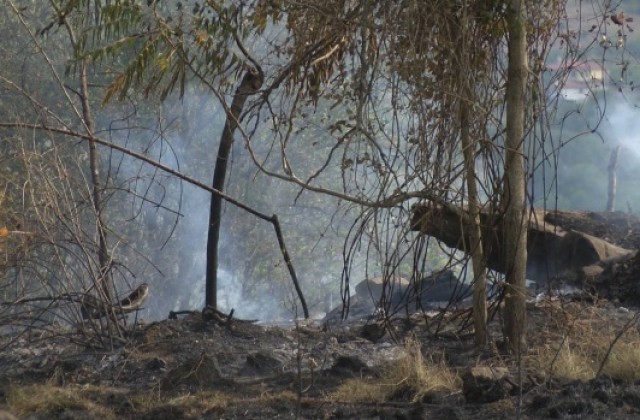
(103, 279)
(468, 82)
(613, 178)
(249, 85)
(514, 200)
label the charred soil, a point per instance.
(581, 362)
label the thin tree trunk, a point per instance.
(475, 232)
(613, 178)
(515, 194)
(251, 82)
(102, 283)
(475, 235)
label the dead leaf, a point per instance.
(618, 19)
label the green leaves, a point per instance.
(155, 47)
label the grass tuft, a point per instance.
(51, 401)
(410, 378)
(624, 362)
(578, 341)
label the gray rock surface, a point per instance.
(376, 296)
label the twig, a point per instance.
(615, 340)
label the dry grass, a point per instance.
(360, 391)
(424, 374)
(624, 362)
(51, 401)
(99, 402)
(210, 400)
(563, 360)
(577, 342)
(186, 405)
(413, 376)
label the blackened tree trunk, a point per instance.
(251, 82)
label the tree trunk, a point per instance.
(514, 205)
(251, 82)
(475, 233)
(613, 182)
(102, 281)
(559, 244)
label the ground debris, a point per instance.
(191, 367)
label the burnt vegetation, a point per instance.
(344, 208)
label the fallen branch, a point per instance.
(552, 249)
(630, 323)
(93, 308)
(90, 306)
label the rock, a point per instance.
(484, 384)
(373, 288)
(157, 364)
(578, 249)
(440, 286)
(573, 407)
(601, 395)
(445, 413)
(632, 398)
(402, 296)
(540, 402)
(359, 308)
(434, 397)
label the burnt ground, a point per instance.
(213, 368)
(582, 360)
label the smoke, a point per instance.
(622, 127)
(168, 221)
(576, 175)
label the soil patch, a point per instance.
(197, 367)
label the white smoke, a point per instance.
(622, 127)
